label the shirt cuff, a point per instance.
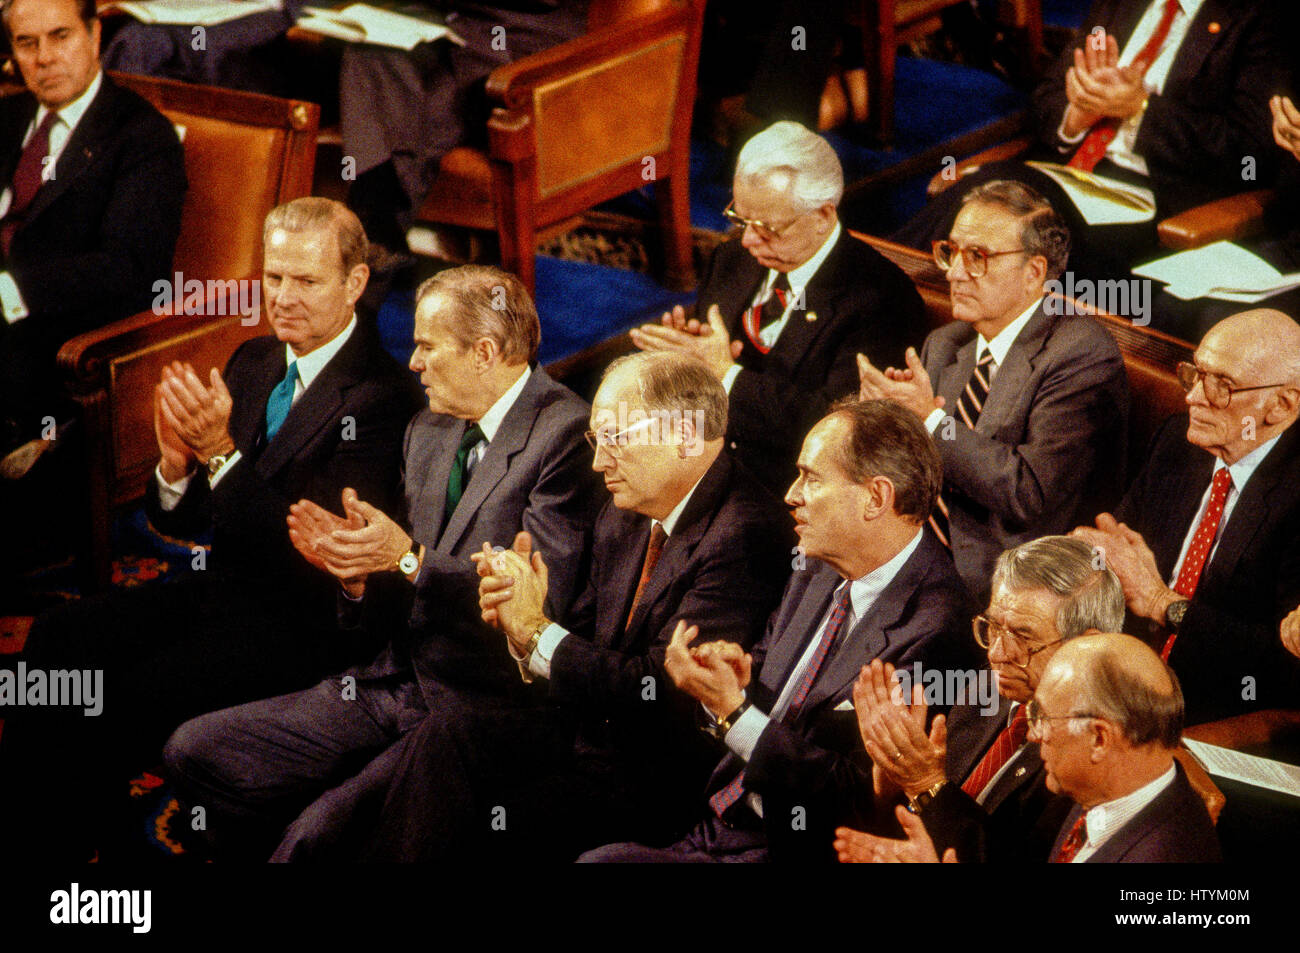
(169, 494)
(1069, 140)
(743, 737)
(729, 378)
(215, 478)
(539, 663)
(11, 299)
(934, 419)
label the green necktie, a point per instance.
(277, 407)
(456, 481)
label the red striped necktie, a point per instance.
(761, 315)
(1004, 746)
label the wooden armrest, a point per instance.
(1247, 731)
(82, 358)
(1201, 783)
(1003, 150)
(511, 85)
(1236, 216)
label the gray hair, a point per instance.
(1042, 230)
(1105, 688)
(1066, 567)
(678, 383)
(487, 302)
(313, 212)
(815, 176)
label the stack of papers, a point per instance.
(1223, 270)
(1100, 200)
(1246, 768)
(191, 12)
(362, 23)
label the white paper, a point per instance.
(361, 23)
(1222, 270)
(1247, 768)
(192, 12)
(1100, 200)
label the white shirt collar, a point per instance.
(313, 362)
(490, 422)
(1002, 341)
(1242, 470)
(71, 114)
(865, 590)
(1103, 820)
(799, 277)
(669, 522)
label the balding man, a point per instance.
(1108, 715)
(786, 304)
(1207, 540)
(975, 779)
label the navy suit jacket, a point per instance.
(816, 762)
(858, 301)
(97, 235)
(1174, 828)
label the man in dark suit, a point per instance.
(1160, 93)
(687, 533)
(1207, 540)
(783, 310)
(316, 408)
(498, 450)
(974, 779)
(878, 588)
(93, 179)
(1028, 405)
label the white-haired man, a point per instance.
(785, 305)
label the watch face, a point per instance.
(409, 563)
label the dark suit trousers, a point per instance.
(1097, 252)
(167, 652)
(709, 842)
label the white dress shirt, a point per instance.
(1104, 820)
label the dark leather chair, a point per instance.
(244, 154)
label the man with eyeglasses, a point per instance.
(973, 778)
(787, 303)
(1027, 405)
(1207, 540)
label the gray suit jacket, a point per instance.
(535, 475)
(1048, 450)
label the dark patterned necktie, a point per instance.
(1004, 746)
(970, 402)
(457, 479)
(760, 316)
(652, 552)
(29, 175)
(1073, 842)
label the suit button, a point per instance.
(733, 445)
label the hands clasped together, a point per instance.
(191, 419)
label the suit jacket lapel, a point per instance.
(1252, 511)
(800, 630)
(738, 293)
(248, 418)
(953, 378)
(1196, 45)
(820, 298)
(1022, 768)
(1010, 378)
(80, 151)
(17, 119)
(970, 735)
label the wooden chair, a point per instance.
(581, 123)
(244, 154)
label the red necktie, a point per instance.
(725, 798)
(652, 551)
(1104, 130)
(1198, 553)
(761, 315)
(1073, 841)
(1006, 744)
(28, 176)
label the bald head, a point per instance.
(1265, 341)
(1119, 678)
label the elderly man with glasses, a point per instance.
(1207, 540)
(1028, 405)
(974, 778)
(787, 303)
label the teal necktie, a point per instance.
(456, 481)
(277, 407)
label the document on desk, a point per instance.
(1222, 270)
(1247, 768)
(1101, 200)
(191, 12)
(362, 23)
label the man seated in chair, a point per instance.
(92, 181)
(1170, 95)
(317, 407)
(787, 303)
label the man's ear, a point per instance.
(1284, 406)
(879, 498)
(355, 283)
(485, 353)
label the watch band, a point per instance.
(922, 801)
(718, 727)
(529, 649)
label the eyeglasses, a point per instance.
(1218, 392)
(1035, 716)
(975, 259)
(987, 632)
(768, 233)
(614, 443)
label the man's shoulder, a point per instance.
(128, 110)
(1174, 828)
(1078, 334)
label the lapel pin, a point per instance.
(810, 316)
(1020, 772)
(1214, 26)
